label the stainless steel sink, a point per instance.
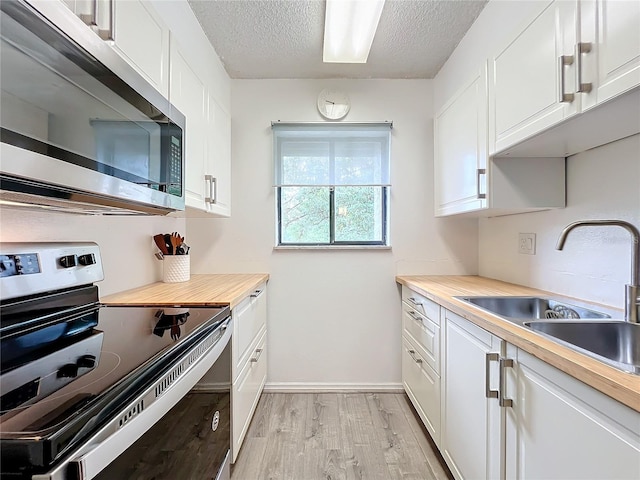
(532, 308)
(614, 342)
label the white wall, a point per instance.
(603, 183)
(126, 243)
(334, 315)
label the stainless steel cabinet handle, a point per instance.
(209, 199)
(256, 293)
(563, 61)
(257, 357)
(504, 363)
(414, 301)
(214, 182)
(489, 357)
(90, 18)
(481, 171)
(415, 316)
(581, 48)
(107, 33)
(412, 353)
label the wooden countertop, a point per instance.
(624, 387)
(201, 290)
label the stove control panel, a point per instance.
(23, 264)
(32, 268)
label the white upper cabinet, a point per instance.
(531, 77)
(135, 31)
(547, 80)
(207, 139)
(141, 37)
(219, 160)
(461, 150)
(610, 36)
(466, 180)
(189, 95)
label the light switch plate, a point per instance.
(527, 243)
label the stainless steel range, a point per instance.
(81, 382)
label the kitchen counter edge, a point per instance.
(201, 290)
(622, 386)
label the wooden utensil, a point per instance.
(160, 243)
(169, 245)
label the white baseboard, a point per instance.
(305, 387)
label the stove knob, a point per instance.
(87, 259)
(86, 361)
(70, 370)
(68, 261)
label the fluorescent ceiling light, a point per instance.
(349, 28)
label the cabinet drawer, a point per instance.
(249, 318)
(422, 385)
(422, 304)
(425, 333)
(246, 393)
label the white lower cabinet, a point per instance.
(421, 357)
(245, 394)
(558, 427)
(471, 415)
(248, 363)
(508, 415)
(422, 385)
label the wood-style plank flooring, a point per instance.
(336, 436)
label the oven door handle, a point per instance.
(106, 445)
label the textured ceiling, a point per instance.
(283, 38)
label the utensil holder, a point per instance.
(176, 268)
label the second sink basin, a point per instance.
(615, 342)
(532, 308)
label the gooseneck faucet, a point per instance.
(632, 291)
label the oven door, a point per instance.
(135, 419)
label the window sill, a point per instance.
(332, 247)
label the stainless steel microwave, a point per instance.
(81, 129)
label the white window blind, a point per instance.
(332, 155)
(332, 183)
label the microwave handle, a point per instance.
(105, 15)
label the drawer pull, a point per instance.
(415, 302)
(256, 293)
(415, 316)
(258, 355)
(413, 355)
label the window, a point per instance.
(332, 183)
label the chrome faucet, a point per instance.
(632, 291)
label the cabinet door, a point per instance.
(530, 74)
(461, 150)
(560, 428)
(611, 29)
(219, 159)
(471, 422)
(143, 40)
(189, 95)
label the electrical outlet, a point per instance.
(527, 243)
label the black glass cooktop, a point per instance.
(61, 379)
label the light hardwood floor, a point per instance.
(335, 436)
